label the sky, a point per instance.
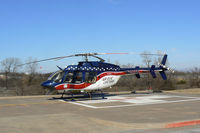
(49, 28)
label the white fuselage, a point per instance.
(104, 82)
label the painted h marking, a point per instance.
(133, 101)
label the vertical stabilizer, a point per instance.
(164, 60)
(163, 67)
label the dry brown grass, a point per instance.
(186, 91)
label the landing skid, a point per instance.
(91, 96)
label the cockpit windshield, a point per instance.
(76, 77)
(57, 76)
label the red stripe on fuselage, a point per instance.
(110, 73)
(72, 86)
(142, 71)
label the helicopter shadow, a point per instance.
(98, 96)
(86, 97)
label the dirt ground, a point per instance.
(195, 91)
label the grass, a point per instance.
(186, 91)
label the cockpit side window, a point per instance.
(57, 76)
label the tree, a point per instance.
(147, 59)
(31, 70)
(195, 77)
(9, 65)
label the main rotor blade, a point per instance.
(110, 53)
(147, 54)
(55, 58)
(62, 57)
(82, 54)
(131, 53)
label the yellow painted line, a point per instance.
(27, 104)
(24, 97)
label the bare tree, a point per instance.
(31, 70)
(195, 77)
(9, 65)
(147, 60)
(129, 65)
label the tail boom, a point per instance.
(161, 69)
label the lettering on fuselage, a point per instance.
(108, 80)
(133, 71)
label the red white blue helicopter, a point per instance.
(88, 76)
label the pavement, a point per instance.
(118, 113)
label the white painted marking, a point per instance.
(116, 106)
(142, 99)
(108, 99)
(133, 101)
(76, 103)
(85, 105)
(62, 101)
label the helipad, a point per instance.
(125, 101)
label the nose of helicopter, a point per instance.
(48, 84)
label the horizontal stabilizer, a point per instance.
(152, 71)
(137, 75)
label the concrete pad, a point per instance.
(120, 113)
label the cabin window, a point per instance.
(69, 77)
(90, 77)
(74, 77)
(78, 77)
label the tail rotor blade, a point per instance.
(171, 70)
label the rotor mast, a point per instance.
(86, 55)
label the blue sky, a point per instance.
(49, 28)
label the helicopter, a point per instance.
(88, 76)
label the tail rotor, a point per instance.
(164, 68)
